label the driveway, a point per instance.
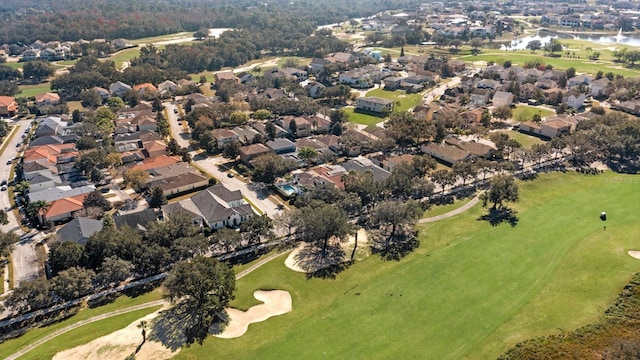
(256, 193)
(182, 138)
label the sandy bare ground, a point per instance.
(634, 254)
(292, 260)
(119, 344)
(276, 302)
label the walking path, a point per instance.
(451, 213)
(110, 314)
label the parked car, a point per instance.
(3, 188)
(9, 162)
(3, 183)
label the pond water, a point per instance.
(619, 40)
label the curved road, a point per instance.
(110, 314)
(451, 213)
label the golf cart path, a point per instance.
(451, 213)
(110, 314)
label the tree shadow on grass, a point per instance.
(321, 264)
(181, 325)
(397, 248)
(497, 216)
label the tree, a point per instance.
(4, 218)
(184, 248)
(465, 171)
(96, 199)
(485, 118)
(402, 51)
(262, 114)
(66, 254)
(90, 98)
(270, 129)
(30, 295)
(307, 153)
(407, 130)
(268, 167)
(503, 188)
(157, 198)
(113, 160)
(503, 113)
(443, 178)
(202, 288)
(37, 70)
(394, 221)
(72, 283)
(293, 128)
(320, 225)
(34, 209)
(257, 228)
(136, 178)
(226, 239)
(115, 103)
(571, 72)
(534, 45)
(553, 46)
(476, 45)
(114, 270)
(231, 150)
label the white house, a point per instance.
(575, 100)
(374, 104)
(502, 98)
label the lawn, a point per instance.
(33, 90)
(407, 101)
(436, 210)
(525, 140)
(525, 113)
(124, 56)
(85, 334)
(9, 347)
(562, 63)
(361, 118)
(470, 291)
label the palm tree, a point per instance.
(34, 209)
(22, 187)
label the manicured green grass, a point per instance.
(14, 65)
(361, 118)
(525, 113)
(525, 140)
(436, 210)
(406, 101)
(470, 291)
(124, 55)
(11, 346)
(33, 90)
(581, 65)
(85, 334)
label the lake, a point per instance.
(607, 39)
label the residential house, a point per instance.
(392, 83)
(53, 154)
(473, 116)
(631, 106)
(446, 153)
(79, 230)
(102, 92)
(341, 58)
(245, 77)
(374, 104)
(47, 98)
(62, 209)
(294, 74)
(488, 84)
(554, 75)
(47, 54)
(30, 55)
(472, 147)
(145, 88)
(456, 66)
(8, 106)
(176, 179)
(579, 80)
(137, 220)
(527, 91)
(320, 124)
(121, 43)
(281, 146)
(42, 180)
(554, 126)
(167, 86)
(246, 134)
(575, 99)
(215, 207)
(59, 192)
(480, 97)
(157, 162)
(315, 89)
(224, 137)
(601, 87)
(250, 152)
(49, 126)
(303, 126)
(502, 98)
(317, 64)
(356, 78)
(261, 128)
(119, 88)
(363, 165)
(154, 148)
(221, 76)
(569, 21)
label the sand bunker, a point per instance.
(634, 253)
(276, 302)
(292, 263)
(119, 344)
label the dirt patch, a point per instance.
(293, 263)
(276, 302)
(118, 345)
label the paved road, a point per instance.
(176, 130)
(24, 258)
(257, 195)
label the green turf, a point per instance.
(436, 210)
(11, 346)
(85, 334)
(406, 101)
(27, 91)
(470, 290)
(361, 118)
(526, 113)
(525, 140)
(123, 56)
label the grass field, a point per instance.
(9, 347)
(362, 119)
(33, 90)
(436, 210)
(469, 292)
(85, 334)
(406, 101)
(525, 140)
(525, 113)
(123, 56)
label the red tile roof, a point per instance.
(66, 205)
